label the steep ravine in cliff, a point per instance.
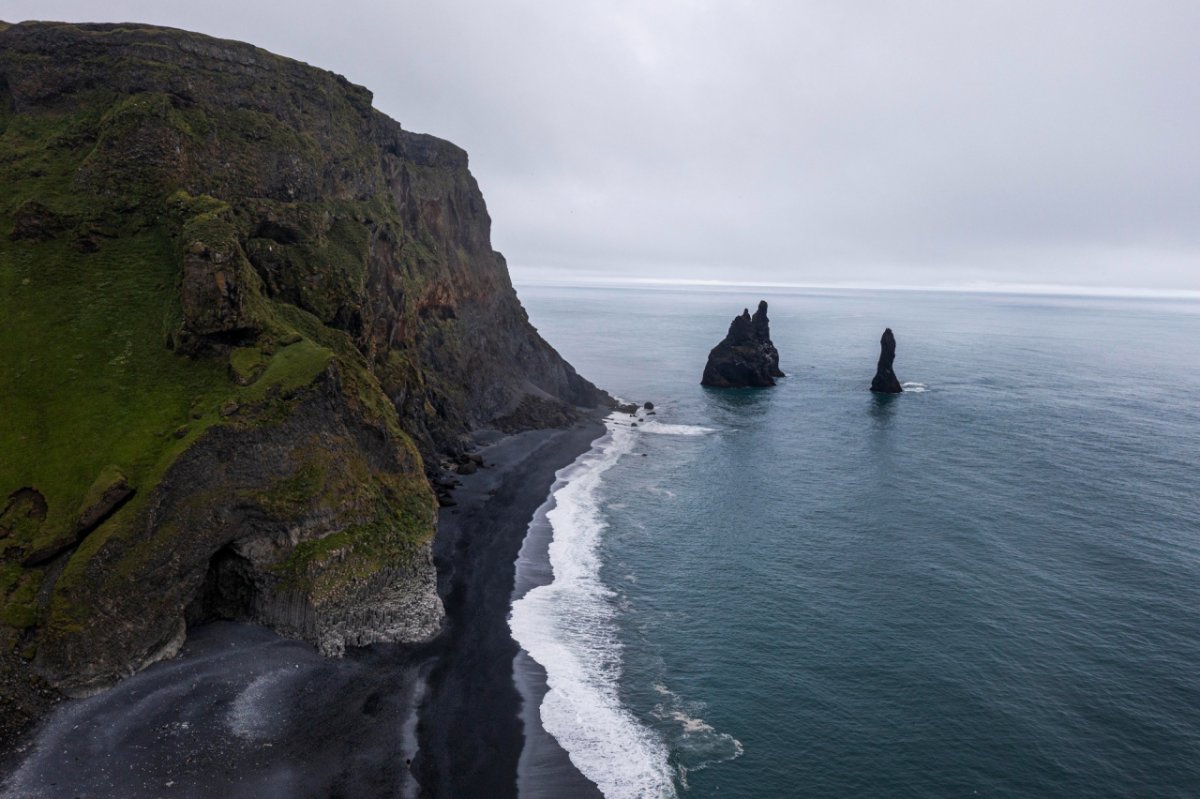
(244, 315)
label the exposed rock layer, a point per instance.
(885, 380)
(746, 357)
(239, 305)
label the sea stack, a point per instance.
(885, 381)
(746, 357)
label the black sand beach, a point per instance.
(244, 713)
(470, 728)
(240, 713)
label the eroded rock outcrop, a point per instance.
(885, 380)
(243, 291)
(746, 357)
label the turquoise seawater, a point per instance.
(989, 585)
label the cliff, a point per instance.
(745, 357)
(241, 310)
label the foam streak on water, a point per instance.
(662, 428)
(568, 627)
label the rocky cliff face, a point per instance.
(240, 310)
(745, 357)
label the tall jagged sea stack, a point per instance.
(745, 357)
(885, 380)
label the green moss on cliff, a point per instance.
(87, 379)
(42, 152)
(90, 300)
(18, 592)
(321, 478)
(183, 207)
(390, 539)
(110, 477)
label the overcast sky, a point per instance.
(909, 143)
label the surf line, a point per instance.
(564, 620)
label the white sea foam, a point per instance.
(914, 388)
(568, 627)
(705, 740)
(696, 744)
(664, 429)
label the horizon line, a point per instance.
(982, 287)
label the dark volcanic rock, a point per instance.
(885, 381)
(746, 357)
(109, 492)
(537, 413)
(24, 698)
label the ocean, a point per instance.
(986, 586)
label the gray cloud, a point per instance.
(908, 143)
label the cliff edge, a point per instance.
(241, 309)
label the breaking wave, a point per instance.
(569, 628)
(662, 428)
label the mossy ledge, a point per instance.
(240, 309)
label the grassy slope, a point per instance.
(87, 379)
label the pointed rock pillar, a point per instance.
(885, 381)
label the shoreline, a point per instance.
(470, 728)
(544, 770)
(243, 712)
